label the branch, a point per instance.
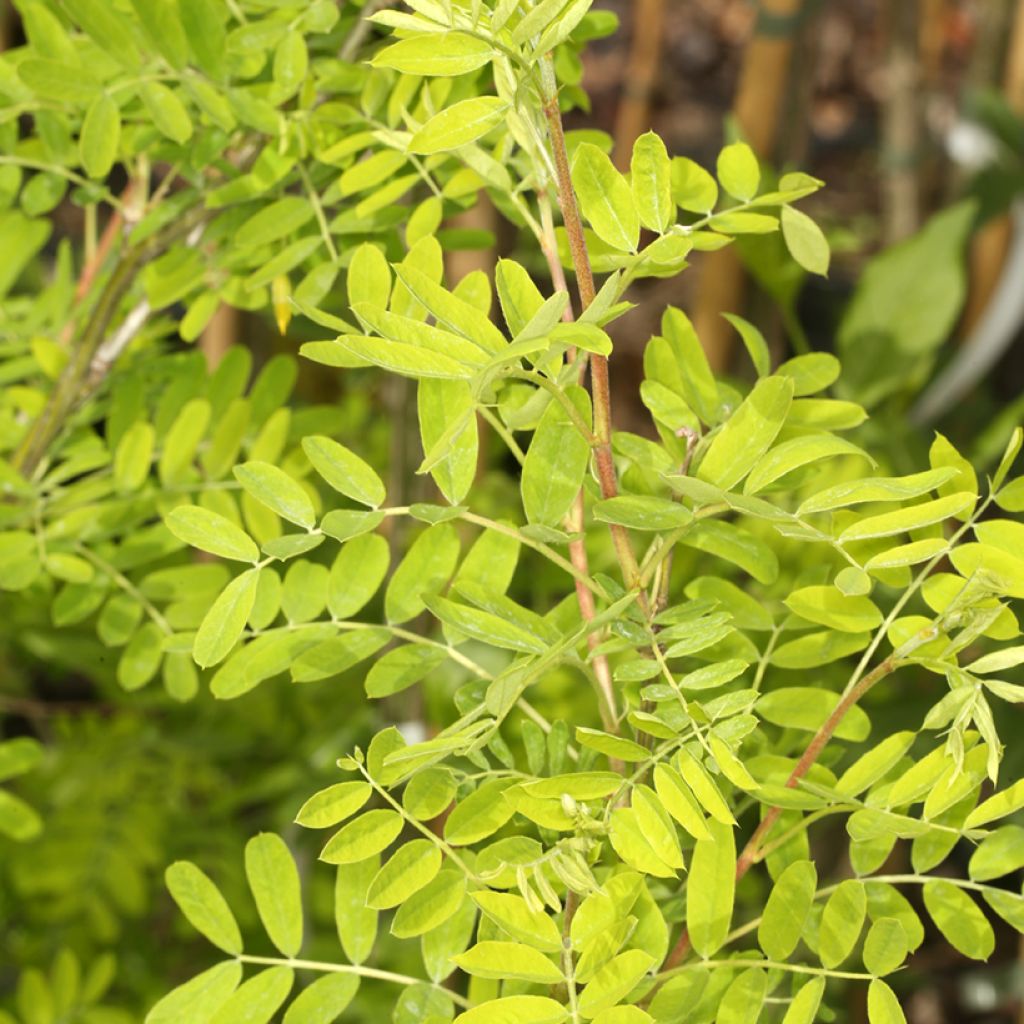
(68, 392)
(750, 853)
(599, 381)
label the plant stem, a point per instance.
(575, 518)
(600, 386)
(364, 972)
(76, 375)
(751, 852)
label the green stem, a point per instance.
(363, 972)
(126, 585)
(318, 210)
(769, 965)
(421, 828)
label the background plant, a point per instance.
(683, 584)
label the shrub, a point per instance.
(743, 593)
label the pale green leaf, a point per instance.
(459, 124)
(710, 889)
(274, 881)
(212, 532)
(345, 471)
(605, 198)
(224, 623)
(203, 905)
(276, 490)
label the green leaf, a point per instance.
(58, 81)
(633, 847)
(808, 708)
(710, 889)
(614, 981)
(212, 532)
(885, 947)
(556, 461)
(108, 30)
(651, 181)
(345, 471)
(364, 837)
(613, 746)
(605, 198)
(804, 1007)
(421, 55)
(998, 854)
(656, 826)
(739, 171)
(276, 490)
(19, 756)
(338, 654)
(515, 1010)
(167, 111)
(679, 801)
(428, 564)
(410, 868)
(999, 805)
(794, 454)
(324, 1000)
(908, 298)
(693, 188)
(744, 998)
(755, 344)
(201, 902)
(401, 668)
(369, 277)
(805, 241)
(333, 804)
(451, 312)
(748, 433)
(875, 764)
(100, 137)
(642, 512)
(357, 574)
(356, 923)
(856, 492)
(404, 359)
(291, 63)
(459, 124)
(828, 607)
(199, 998)
(841, 922)
(18, 820)
(141, 658)
(785, 913)
(447, 417)
(905, 519)
(258, 999)
(704, 788)
(514, 915)
(274, 881)
(273, 222)
(883, 1006)
(479, 815)
(133, 456)
(431, 906)
(501, 960)
(223, 624)
(1008, 905)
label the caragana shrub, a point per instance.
(744, 591)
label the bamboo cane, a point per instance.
(758, 110)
